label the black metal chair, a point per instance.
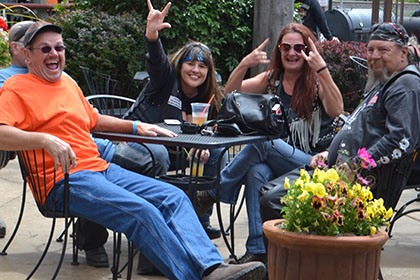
(390, 181)
(360, 66)
(111, 105)
(33, 169)
(116, 106)
(99, 83)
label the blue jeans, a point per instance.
(156, 216)
(255, 165)
(160, 153)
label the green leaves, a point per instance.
(225, 26)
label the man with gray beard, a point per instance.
(386, 123)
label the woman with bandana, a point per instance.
(185, 77)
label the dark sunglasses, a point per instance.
(388, 26)
(47, 49)
(284, 47)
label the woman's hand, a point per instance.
(314, 59)
(155, 20)
(204, 156)
(257, 56)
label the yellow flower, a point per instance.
(372, 230)
(287, 183)
(389, 213)
(299, 183)
(319, 175)
(304, 195)
(332, 175)
(318, 189)
(304, 175)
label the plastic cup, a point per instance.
(200, 112)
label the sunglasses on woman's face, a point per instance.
(47, 49)
(284, 47)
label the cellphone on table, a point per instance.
(172, 122)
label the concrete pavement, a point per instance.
(400, 258)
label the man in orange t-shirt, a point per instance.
(46, 110)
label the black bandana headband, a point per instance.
(388, 31)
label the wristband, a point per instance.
(322, 68)
(135, 127)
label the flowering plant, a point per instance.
(334, 201)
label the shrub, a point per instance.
(110, 44)
(225, 26)
(343, 70)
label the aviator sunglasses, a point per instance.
(47, 49)
(284, 47)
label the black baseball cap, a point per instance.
(388, 31)
(38, 27)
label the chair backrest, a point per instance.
(391, 179)
(360, 66)
(98, 83)
(111, 105)
(33, 168)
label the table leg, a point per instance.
(230, 247)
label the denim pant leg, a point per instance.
(156, 216)
(257, 176)
(160, 153)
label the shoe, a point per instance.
(2, 229)
(97, 257)
(245, 271)
(251, 258)
(204, 202)
(145, 267)
(212, 232)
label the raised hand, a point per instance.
(155, 21)
(314, 59)
(257, 56)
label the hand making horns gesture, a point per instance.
(314, 59)
(155, 20)
(257, 56)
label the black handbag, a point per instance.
(254, 113)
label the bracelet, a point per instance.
(322, 68)
(135, 127)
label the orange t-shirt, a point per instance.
(60, 109)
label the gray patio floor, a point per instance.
(400, 258)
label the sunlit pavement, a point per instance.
(400, 258)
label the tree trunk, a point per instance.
(270, 16)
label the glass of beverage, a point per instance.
(194, 167)
(200, 112)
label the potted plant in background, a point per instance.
(331, 227)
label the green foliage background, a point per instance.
(113, 42)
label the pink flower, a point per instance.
(366, 158)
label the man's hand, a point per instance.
(61, 152)
(147, 129)
(318, 157)
(155, 21)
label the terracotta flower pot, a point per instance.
(307, 256)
